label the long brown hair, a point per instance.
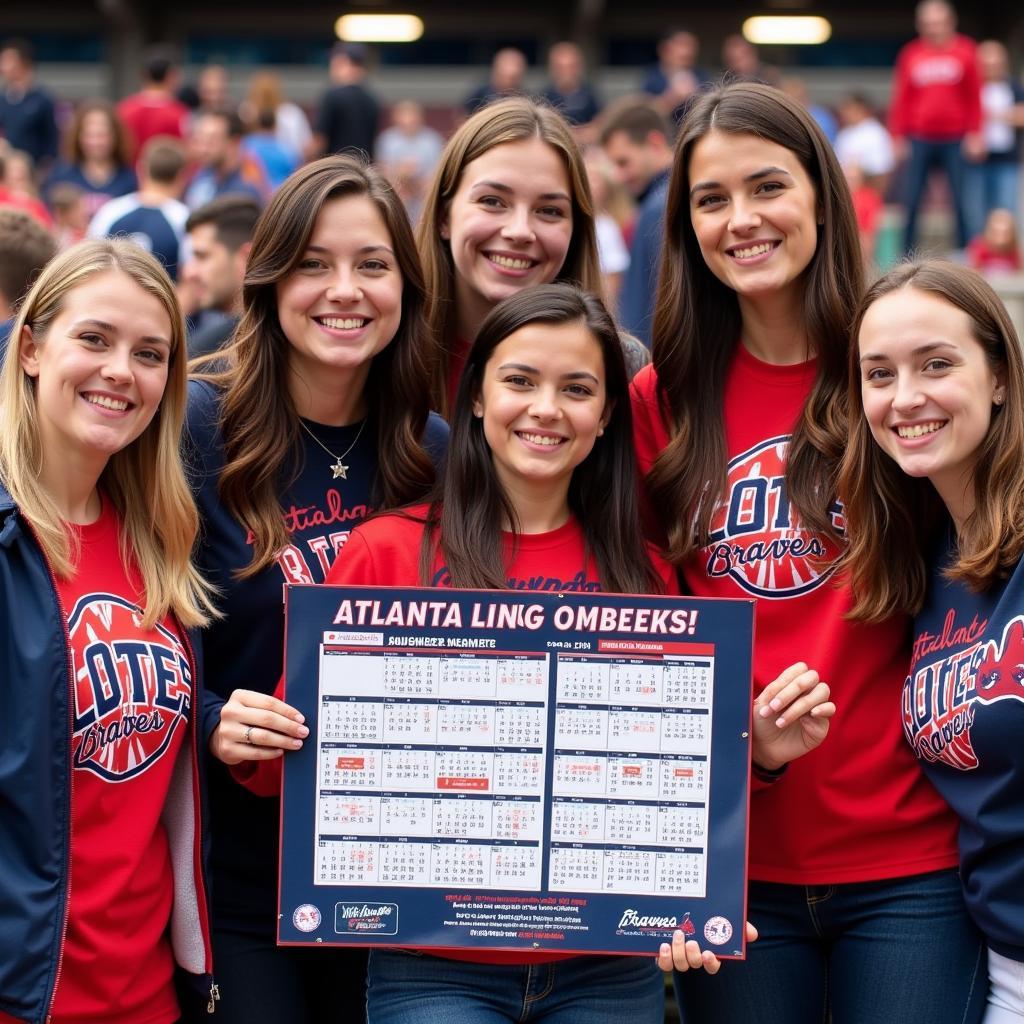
(508, 120)
(259, 423)
(119, 147)
(893, 519)
(470, 505)
(697, 325)
(144, 481)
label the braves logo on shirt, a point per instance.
(132, 688)
(939, 698)
(756, 537)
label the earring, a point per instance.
(998, 399)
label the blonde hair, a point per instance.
(144, 481)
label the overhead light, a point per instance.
(379, 28)
(787, 30)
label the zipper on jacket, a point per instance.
(197, 799)
(71, 772)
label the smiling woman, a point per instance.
(740, 429)
(98, 526)
(509, 208)
(935, 474)
(314, 417)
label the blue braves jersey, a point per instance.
(963, 715)
(245, 648)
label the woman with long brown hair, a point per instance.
(315, 415)
(509, 207)
(98, 160)
(935, 477)
(740, 428)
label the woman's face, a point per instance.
(927, 386)
(96, 137)
(754, 212)
(100, 370)
(509, 224)
(543, 405)
(342, 304)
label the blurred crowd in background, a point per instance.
(184, 165)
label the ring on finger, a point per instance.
(247, 737)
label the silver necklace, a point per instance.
(339, 469)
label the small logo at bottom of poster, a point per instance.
(366, 918)
(306, 918)
(717, 931)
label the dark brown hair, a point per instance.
(697, 326)
(470, 505)
(259, 423)
(892, 519)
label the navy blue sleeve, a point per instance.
(435, 439)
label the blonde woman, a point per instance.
(98, 686)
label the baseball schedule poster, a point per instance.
(516, 770)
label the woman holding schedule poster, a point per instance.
(539, 480)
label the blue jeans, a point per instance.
(410, 988)
(923, 157)
(990, 185)
(901, 951)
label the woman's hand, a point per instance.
(685, 954)
(791, 717)
(256, 727)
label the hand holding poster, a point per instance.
(516, 770)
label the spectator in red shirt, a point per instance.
(154, 110)
(935, 116)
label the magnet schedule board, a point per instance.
(516, 770)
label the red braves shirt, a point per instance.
(132, 693)
(858, 808)
(936, 94)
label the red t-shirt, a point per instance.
(936, 92)
(858, 808)
(132, 693)
(147, 114)
(385, 552)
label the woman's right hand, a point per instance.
(256, 727)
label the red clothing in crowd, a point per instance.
(858, 808)
(981, 256)
(147, 114)
(936, 94)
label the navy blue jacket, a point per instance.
(35, 789)
(963, 713)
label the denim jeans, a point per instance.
(923, 157)
(990, 185)
(410, 988)
(901, 951)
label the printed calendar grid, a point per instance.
(431, 767)
(432, 770)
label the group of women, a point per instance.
(848, 485)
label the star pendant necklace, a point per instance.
(339, 469)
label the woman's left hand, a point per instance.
(684, 954)
(791, 717)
